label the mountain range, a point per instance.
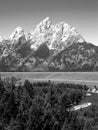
(47, 47)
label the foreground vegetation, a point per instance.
(44, 106)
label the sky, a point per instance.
(81, 14)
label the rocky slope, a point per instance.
(47, 47)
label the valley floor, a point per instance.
(89, 78)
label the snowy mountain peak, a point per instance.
(1, 39)
(18, 32)
(46, 19)
(49, 47)
(16, 35)
(43, 26)
(46, 22)
(58, 36)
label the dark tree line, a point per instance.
(40, 105)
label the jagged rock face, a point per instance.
(41, 33)
(17, 38)
(77, 57)
(42, 52)
(48, 47)
(16, 44)
(57, 36)
(18, 33)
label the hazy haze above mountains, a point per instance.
(82, 14)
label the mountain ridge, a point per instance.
(47, 47)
